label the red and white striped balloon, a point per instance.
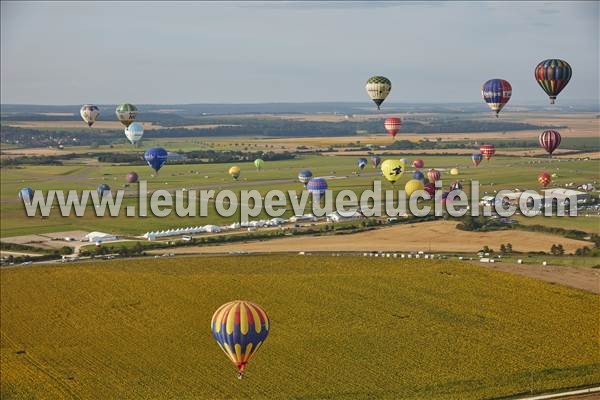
(549, 140)
(488, 150)
(433, 175)
(392, 125)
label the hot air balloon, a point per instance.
(418, 163)
(412, 186)
(496, 93)
(375, 160)
(362, 163)
(430, 188)
(378, 88)
(317, 187)
(544, 178)
(240, 328)
(126, 113)
(132, 177)
(476, 158)
(550, 140)
(103, 189)
(156, 157)
(456, 185)
(134, 132)
(89, 113)
(235, 172)
(553, 75)
(259, 163)
(392, 126)
(488, 150)
(433, 175)
(418, 175)
(304, 176)
(393, 169)
(25, 195)
(454, 171)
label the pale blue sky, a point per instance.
(185, 52)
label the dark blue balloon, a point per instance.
(418, 175)
(156, 157)
(103, 189)
(317, 187)
(26, 194)
(304, 176)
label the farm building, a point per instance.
(98, 237)
(561, 194)
(346, 216)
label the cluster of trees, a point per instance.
(199, 157)
(481, 224)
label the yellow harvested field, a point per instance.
(435, 236)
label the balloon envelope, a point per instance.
(304, 176)
(25, 195)
(375, 160)
(544, 178)
(418, 175)
(433, 175)
(103, 189)
(156, 157)
(134, 132)
(393, 169)
(126, 113)
(496, 93)
(240, 328)
(476, 158)
(132, 177)
(553, 75)
(412, 186)
(259, 163)
(392, 125)
(378, 88)
(550, 140)
(317, 187)
(235, 172)
(454, 171)
(487, 150)
(362, 163)
(418, 163)
(89, 113)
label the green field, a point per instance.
(499, 173)
(341, 328)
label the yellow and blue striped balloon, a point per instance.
(240, 328)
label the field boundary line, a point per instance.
(558, 395)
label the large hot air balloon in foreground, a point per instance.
(496, 93)
(235, 172)
(375, 160)
(259, 163)
(550, 140)
(476, 158)
(393, 170)
(89, 113)
(412, 186)
(304, 176)
(362, 163)
(156, 157)
(487, 150)
(378, 88)
(126, 113)
(134, 132)
(433, 175)
(240, 328)
(553, 75)
(132, 177)
(317, 187)
(544, 178)
(392, 125)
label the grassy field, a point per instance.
(499, 173)
(341, 328)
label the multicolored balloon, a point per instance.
(418, 163)
(433, 175)
(375, 160)
(544, 178)
(550, 140)
(362, 163)
(317, 187)
(476, 158)
(488, 150)
(132, 177)
(240, 328)
(392, 125)
(103, 189)
(412, 186)
(496, 93)
(134, 132)
(89, 113)
(259, 163)
(378, 88)
(156, 157)
(393, 170)
(25, 195)
(304, 176)
(553, 75)
(126, 113)
(235, 172)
